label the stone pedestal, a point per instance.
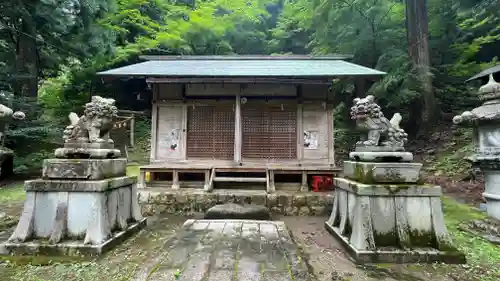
(492, 192)
(382, 215)
(82, 149)
(80, 206)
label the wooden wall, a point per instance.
(314, 116)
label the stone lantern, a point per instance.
(485, 120)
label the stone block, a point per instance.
(88, 145)
(236, 211)
(76, 217)
(379, 156)
(376, 190)
(393, 223)
(375, 172)
(74, 248)
(84, 169)
(40, 185)
(79, 153)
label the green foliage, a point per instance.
(74, 39)
(15, 193)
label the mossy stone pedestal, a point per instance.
(78, 207)
(381, 214)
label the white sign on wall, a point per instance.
(310, 140)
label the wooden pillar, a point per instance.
(184, 131)
(175, 179)
(300, 132)
(132, 130)
(141, 182)
(237, 129)
(300, 124)
(271, 188)
(303, 186)
(154, 123)
(331, 151)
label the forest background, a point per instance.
(50, 51)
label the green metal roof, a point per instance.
(244, 66)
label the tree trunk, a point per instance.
(418, 50)
(26, 80)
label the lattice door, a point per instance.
(210, 132)
(269, 130)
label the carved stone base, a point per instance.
(82, 153)
(73, 248)
(85, 212)
(379, 156)
(391, 223)
(88, 145)
(84, 169)
(374, 172)
(377, 148)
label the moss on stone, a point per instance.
(363, 173)
(386, 239)
(420, 238)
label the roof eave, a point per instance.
(249, 57)
(327, 79)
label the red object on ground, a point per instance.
(321, 183)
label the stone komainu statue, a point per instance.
(88, 136)
(369, 117)
(95, 123)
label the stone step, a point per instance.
(239, 179)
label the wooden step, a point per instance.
(239, 179)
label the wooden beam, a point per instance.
(130, 111)
(241, 80)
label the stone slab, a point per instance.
(238, 211)
(395, 255)
(377, 148)
(256, 250)
(84, 169)
(39, 185)
(87, 145)
(387, 156)
(376, 172)
(78, 153)
(73, 248)
(401, 190)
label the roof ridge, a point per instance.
(248, 57)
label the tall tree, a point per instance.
(41, 34)
(418, 50)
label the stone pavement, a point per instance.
(223, 250)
